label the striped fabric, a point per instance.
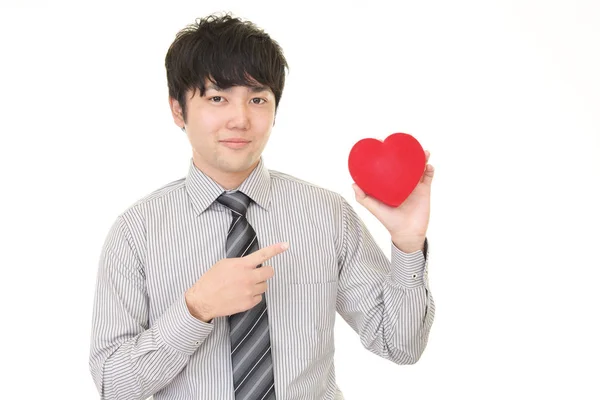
(145, 342)
(249, 331)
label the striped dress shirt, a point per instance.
(145, 342)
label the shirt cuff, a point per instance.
(180, 330)
(408, 269)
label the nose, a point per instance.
(239, 118)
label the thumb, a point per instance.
(366, 201)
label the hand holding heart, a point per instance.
(407, 222)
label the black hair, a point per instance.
(227, 51)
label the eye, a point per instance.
(215, 97)
(259, 99)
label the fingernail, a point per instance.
(285, 245)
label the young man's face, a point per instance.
(228, 129)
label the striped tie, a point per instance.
(249, 330)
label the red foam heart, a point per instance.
(390, 170)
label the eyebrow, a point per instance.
(253, 89)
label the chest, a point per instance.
(181, 251)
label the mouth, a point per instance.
(235, 143)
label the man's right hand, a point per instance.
(232, 285)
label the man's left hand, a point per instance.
(408, 222)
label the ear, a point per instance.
(177, 112)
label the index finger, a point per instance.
(262, 255)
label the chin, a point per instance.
(237, 165)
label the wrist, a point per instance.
(197, 308)
(409, 243)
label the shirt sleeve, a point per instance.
(388, 304)
(128, 358)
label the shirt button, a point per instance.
(197, 342)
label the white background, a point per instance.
(505, 95)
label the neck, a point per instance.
(227, 180)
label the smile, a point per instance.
(235, 143)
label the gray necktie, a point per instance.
(249, 330)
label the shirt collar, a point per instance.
(203, 190)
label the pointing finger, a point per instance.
(262, 255)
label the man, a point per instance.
(225, 284)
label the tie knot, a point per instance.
(237, 202)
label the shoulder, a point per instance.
(284, 185)
(130, 227)
(166, 191)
